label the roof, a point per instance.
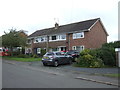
(69, 28)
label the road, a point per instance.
(16, 76)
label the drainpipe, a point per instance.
(47, 44)
(32, 45)
(68, 41)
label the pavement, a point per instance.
(88, 74)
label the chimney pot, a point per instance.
(56, 25)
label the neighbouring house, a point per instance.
(75, 36)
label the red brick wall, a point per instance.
(92, 39)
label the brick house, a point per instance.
(75, 36)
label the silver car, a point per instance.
(56, 58)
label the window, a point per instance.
(38, 50)
(53, 37)
(57, 37)
(74, 48)
(78, 48)
(29, 41)
(78, 35)
(36, 40)
(40, 39)
(62, 37)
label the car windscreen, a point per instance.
(59, 53)
(72, 52)
(50, 53)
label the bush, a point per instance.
(97, 63)
(107, 55)
(43, 51)
(88, 59)
(22, 56)
(35, 56)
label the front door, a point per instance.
(62, 48)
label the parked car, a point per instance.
(73, 53)
(3, 52)
(56, 58)
(63, 52)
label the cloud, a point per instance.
(32, 15)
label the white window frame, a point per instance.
(38, 50)
(36, 39)
(39, 39)
(58, 37)
(30, 41)
(75, 47)
(75, 35)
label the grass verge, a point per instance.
(112, 75)
(22, 59)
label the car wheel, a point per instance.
(55, 63)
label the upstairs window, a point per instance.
(78, 35)
(40, 39)
(63, 37)
(29, 41)
(36, 40)
(57, 37)
(54, 37)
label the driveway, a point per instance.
(79, 69)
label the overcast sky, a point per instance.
(32, 15)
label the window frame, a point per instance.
(40, 39)
(81, 46)
(58, 37)
(76, 37)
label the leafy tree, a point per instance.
(14, 39)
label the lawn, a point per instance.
(22, 59)
(112, 75)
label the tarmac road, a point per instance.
(23, 76)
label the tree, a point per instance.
(14, 39)
(0, 41)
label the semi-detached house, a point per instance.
(75, 36)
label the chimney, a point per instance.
(56, 25)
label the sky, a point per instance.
(32, 15)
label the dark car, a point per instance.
(56, 58)
(73, 53)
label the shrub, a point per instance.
(97, 63)
(88, 59)
(35, 56)
(22, 56)
(43, 51)
(107, 55)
